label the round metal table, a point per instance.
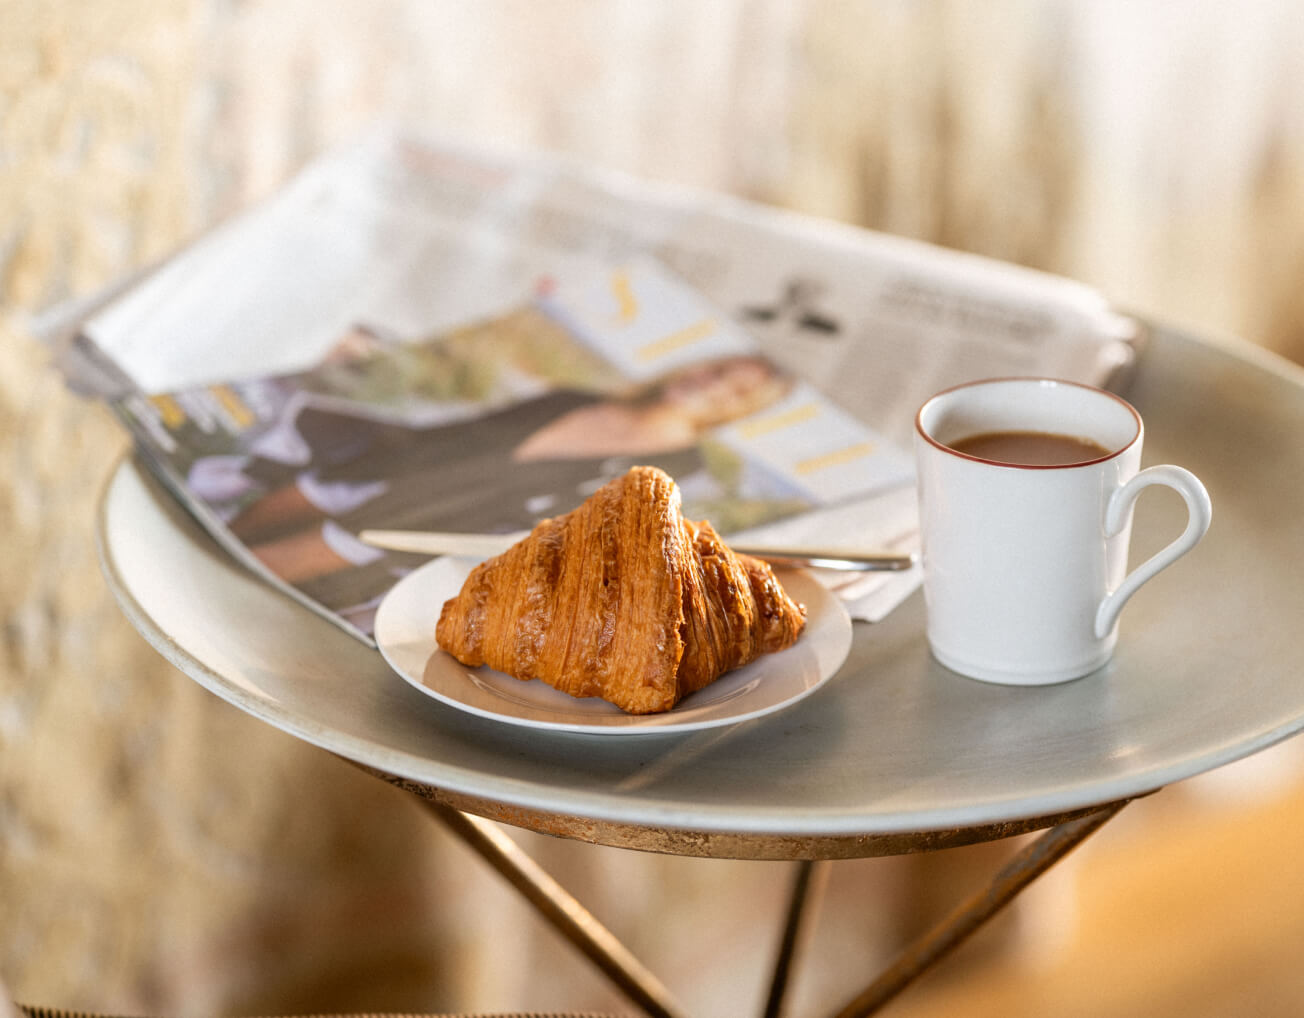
(895, 754)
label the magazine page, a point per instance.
(400, 238)
(499, 424)
(414, 236)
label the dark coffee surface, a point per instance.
(1030, 448)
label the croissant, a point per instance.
(621, 598)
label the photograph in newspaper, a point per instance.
(496, 425)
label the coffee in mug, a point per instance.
(1030, 448)
(1026, 489)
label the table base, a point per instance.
(468, 818)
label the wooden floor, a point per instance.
(1190, 903)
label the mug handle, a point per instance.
(1199, 513)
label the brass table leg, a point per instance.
(1032, 861)
(807, 890)
(562, 910)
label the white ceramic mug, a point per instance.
(1025, 567)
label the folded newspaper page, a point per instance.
(411, 335)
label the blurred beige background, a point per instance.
(160, 852)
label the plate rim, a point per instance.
(833, 624)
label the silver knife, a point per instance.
(430, 542)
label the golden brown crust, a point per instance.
(623, 599)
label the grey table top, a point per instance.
(1208, 668)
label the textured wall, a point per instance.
(158, 850)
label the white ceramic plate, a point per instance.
(405, 633)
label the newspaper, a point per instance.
(515, 310)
